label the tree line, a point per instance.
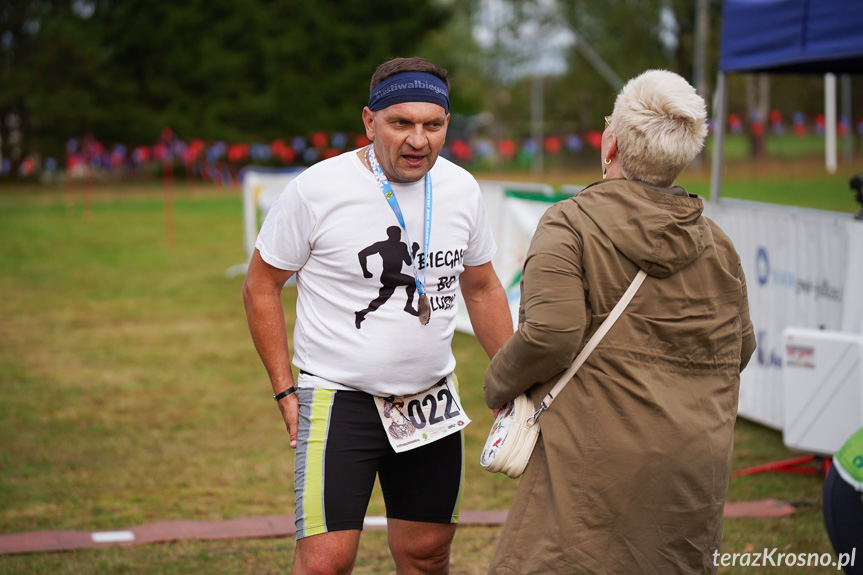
(259, 70)
(238, 70)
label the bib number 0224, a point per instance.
(417, 413)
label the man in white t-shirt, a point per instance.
(381, 239)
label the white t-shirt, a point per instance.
(331, 221)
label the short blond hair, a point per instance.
(660, 122)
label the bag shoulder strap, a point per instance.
(594, 340)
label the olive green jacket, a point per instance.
(631, 469)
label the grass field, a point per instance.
(131, 391)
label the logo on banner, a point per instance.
(766, 355)
(819, 288)
(801, 356)
(762, 266)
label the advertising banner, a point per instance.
(797, 266)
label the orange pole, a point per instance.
(88, 194)
(168, 179)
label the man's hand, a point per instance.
(290, 408)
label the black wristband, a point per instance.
(283, 394)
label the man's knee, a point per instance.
(328, 564)
(431, 558)
(326, 554)
(427, 552)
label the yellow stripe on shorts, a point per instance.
(313, 490)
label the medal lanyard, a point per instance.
(390, 196)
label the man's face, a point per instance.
(407, 137)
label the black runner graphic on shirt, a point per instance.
(394, 254)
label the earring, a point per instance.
(604, 173)
(607, 161)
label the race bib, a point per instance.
(412, 421)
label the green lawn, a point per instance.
(132, 392)
(800, 187)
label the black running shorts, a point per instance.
(342, 445)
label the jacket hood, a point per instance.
(659, 229)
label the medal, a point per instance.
(423, 305)
(424, 309)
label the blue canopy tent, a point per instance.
(784, 36)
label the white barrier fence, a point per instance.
(804, 269)
(261, 188)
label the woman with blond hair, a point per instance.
(631, 469)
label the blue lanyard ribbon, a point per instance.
(389, 194)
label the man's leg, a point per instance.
(326, 554)
(420, 548)
(339, 444)
(422, 489)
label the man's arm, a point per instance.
(487, 306)
(262, 299)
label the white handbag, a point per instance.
(516, 427)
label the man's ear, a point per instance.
(369, 123)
